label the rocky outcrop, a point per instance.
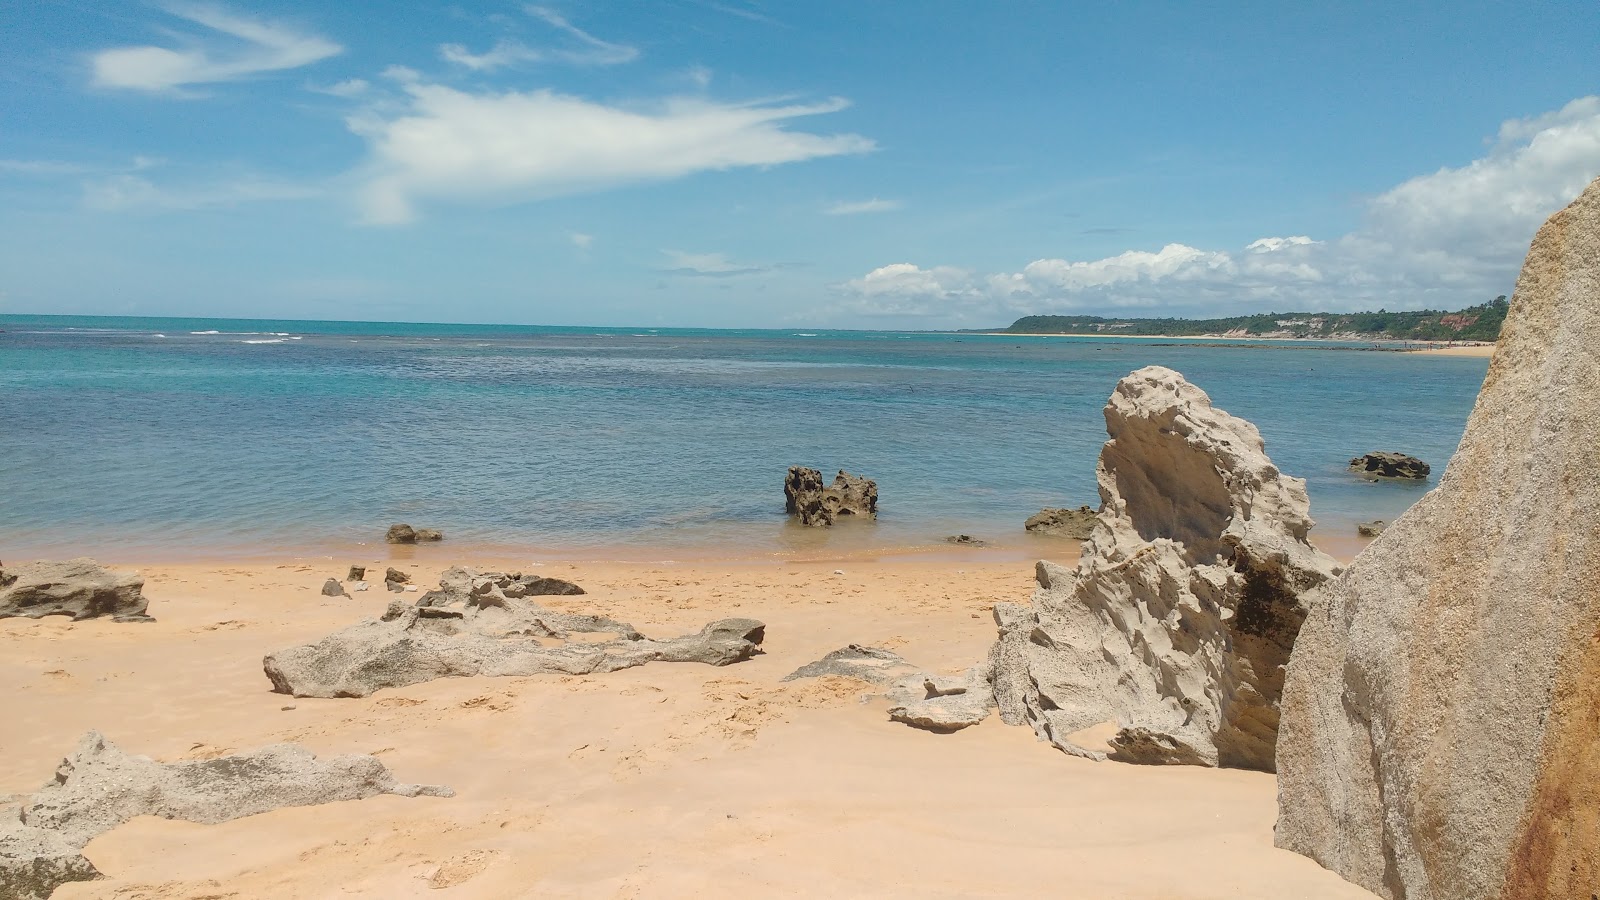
(873, 665)
(98, 787)
(1372, 529)
(1442, 710)
(472, 626)
(1390, 465)
(458, 584)
(405, 534)
(1062, 522)
(917, 698)
(80, 588)
(813, 503)
(1180, 616)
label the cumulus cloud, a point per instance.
(498, 148)
(1447, 239)
(583, 48)
(257, 46)
(863, 206)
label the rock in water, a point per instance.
(401, 533)
(1390, 465)
(1372, 529)
(806, 498)
(1441, 720)
(1186, 600)
(1063, 522)
(80, 588)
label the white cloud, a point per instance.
(863, 206)
(582, 241)
(258, 46)
(709, 265)
(1447, 239)
(349, 88)
(503, 148)
(583, 48)
(132, 193)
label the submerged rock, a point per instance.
(1062, 522)
(80, 588)
(98, 787)
(1390, 465)
(806, 498)
(472, 627)
(1179, 618)
(405, 534)
(966, 539)
(1372, 529)
(1442, 713)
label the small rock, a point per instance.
(287, 708)
(401, 534)
(359, 586)
(409, 587)
(332, 588)
(357, 573)
(967, 539)
(429, 535)
(1371, 529)
(1390, 465)
(1063, 522)
(838, 571)
(395, 576)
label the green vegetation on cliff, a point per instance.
(1476, 323)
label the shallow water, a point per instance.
(171, 437)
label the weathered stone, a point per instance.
(486, 634)
(36, 861)
(870, 664)
(357, 573)
(396, 580)
(429, 535)
(1062, 522)
(457, 583)
(966, 539)
(332, 588)
(1371, 529)
(807, 499)
(80, 588)
(1186, 600)
(1390, 465)
(1441, 719)
(942, 702)
(401, 533)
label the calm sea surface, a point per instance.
(124, 437)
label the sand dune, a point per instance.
(661, 781)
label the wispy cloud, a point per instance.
(500, 148)
(862, 206)
(130, 193)
(583, 48)
(257, 46)
(582, 241)
(348, 89)
(1444, 239)
(710, 265)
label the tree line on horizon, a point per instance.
(1475, 323)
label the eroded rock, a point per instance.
(917, 698)
(1062, 522)
(1372, 529)
(873, 665)
(1441, 717)
(467, 631)
(36, 861)
(1181, 613)
(402, 533)
(1390, 465)
(332, 588)
(813, 503)
(80, 588)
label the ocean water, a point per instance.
(158, 438)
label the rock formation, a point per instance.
(405, 534)
(332, 588)
(965, 540)
(1390, 465)
(806, 498)
(80, 588)
(357, 573)
(1179, 618)
(870, 664)
(1371, 529)
(99, 787)
(396, 580)
(917, 698)
(1441, 720)
(482, 625)
(1062, 522)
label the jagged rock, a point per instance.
(401, 534)
(357, 573)
(457, 583)
(966, 539)
(1441, 717)
(942, 702)
(332, 588)
(36, 861)
(396, 580)
(98, 787)
(1371, 529)
(806, 498)
(1063, 522)
(869, 664)
(486, 634)
(1390, 465)
(80, 588)
(1178, 620)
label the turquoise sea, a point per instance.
(132, 438)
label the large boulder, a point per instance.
(808, 499)
(1062, 522)
(1441, 720)
(98, 787)
(1179, 618)
(80, 588)
(1398, 466)
(473, 627)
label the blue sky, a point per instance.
(745, 164)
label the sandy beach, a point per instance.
(669, 780)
